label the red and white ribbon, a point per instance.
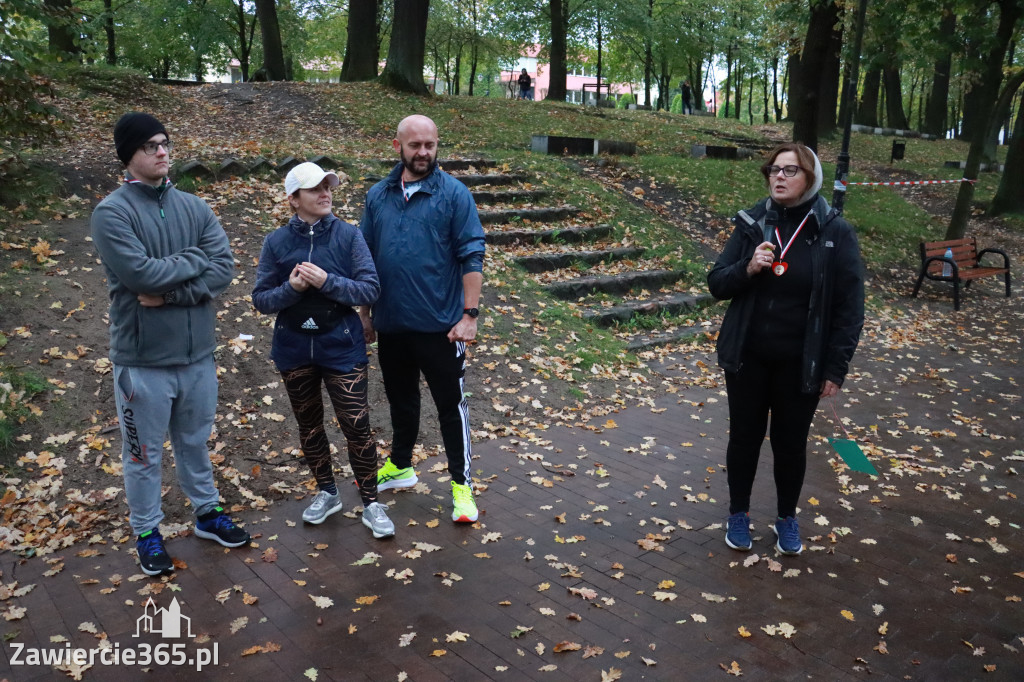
(914, 182)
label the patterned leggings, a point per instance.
(348, 394)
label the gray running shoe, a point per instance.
(375, 517)
(324, 504)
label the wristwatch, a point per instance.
(472, 312)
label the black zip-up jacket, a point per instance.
(835, 313)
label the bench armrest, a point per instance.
(1006, 259)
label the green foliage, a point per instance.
(28, 116)
(625, 101)
(31, 184)
(17, 388)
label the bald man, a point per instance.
(424, 233)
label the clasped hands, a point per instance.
(305, 275)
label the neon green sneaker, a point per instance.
(465, 506)
(391, 477)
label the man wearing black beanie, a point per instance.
(166, 258)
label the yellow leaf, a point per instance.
(848, 615)
(438, 652)
(744, 632)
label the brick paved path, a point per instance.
(917, 575)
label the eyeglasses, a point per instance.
(789, 171)
(151, 147)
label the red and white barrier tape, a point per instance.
(913, 182)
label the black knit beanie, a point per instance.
(132, 131)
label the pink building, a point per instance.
(577, 77)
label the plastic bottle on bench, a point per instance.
(947, 269)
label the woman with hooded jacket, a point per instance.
(311, 272)
(793, 272)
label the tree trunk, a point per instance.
(458, 71)
(270, 30)
(764, 90)
(894, 114)
(739, 88)
(108, 28)
(987, 89)
(828, 98)
(648, 57)
(867, 113)
(775, 89)
(809, 72)
(558, 67)
(473, 57)
(361, 48)
(404, 68)
(938, 100)
(750, 101)
(60, 27)
(1009, 197)
(728, 77)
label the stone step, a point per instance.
(480, 179)
(561, 145)
(488, 197)
(671, 305)
(567, 235)
(532, 214)
(565, 259)
(699, 151)
(643, 342)
(448, 165)
(617, 285)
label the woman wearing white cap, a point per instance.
(311, 272)
(793, 270)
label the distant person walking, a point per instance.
(525, 86)
(423, 230)
(311, 272)
(793, 270)
(166, 259)
(686, 96)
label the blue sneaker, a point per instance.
(216, 525)
(738, 535)
(789, 536)
(153, 558)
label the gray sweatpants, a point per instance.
(152, 403)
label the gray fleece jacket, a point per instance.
(165, 242)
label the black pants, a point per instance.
(403, 356)
(763, 386)
(348, 394)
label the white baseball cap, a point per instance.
(307, 176)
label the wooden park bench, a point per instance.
(964, 266)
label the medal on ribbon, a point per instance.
(779, 266)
